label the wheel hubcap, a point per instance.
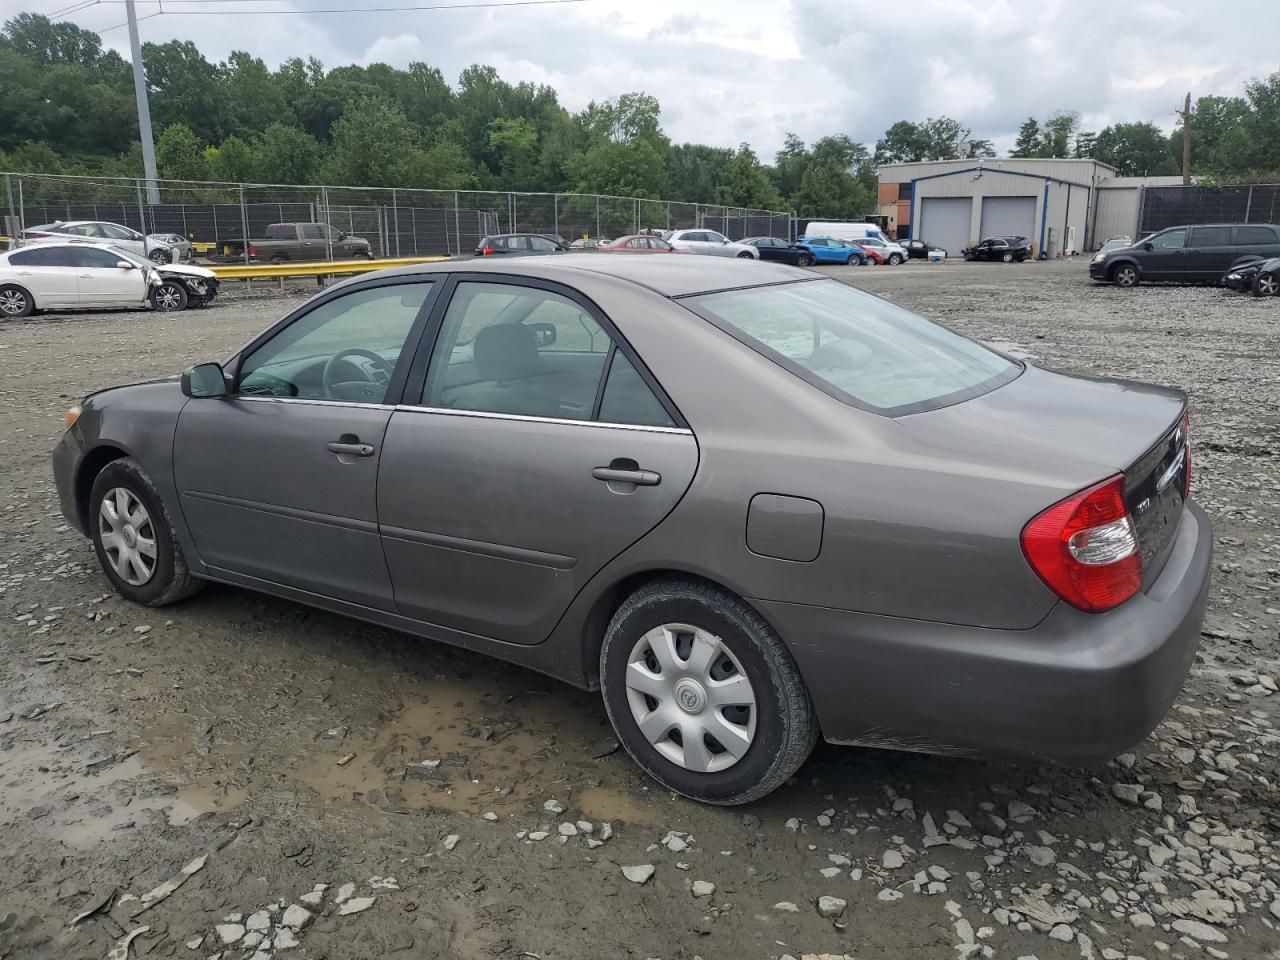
(691, 698)
(128, 537)
(1267, 285)
(167, 298)
(12, 302)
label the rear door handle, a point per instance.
(641, 478)
(350, 449)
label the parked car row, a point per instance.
(73, 274)
(156, 247)
(1201, 253)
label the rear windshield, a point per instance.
(858, 348)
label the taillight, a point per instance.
(487, 251)
(1186, 465)
(1086, 548)
(253, 251)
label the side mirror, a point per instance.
(204, 380)
(126, 265)
(544, 334)
(1147, 246)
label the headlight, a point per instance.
(72, 416)
(1233, 276)
(1099, 258)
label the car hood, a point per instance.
(1056, 429)
(181, 269)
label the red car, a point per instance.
(875, 256)
(637, 243)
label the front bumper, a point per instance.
(66, 461)
(1098, 271)
(1077, 688)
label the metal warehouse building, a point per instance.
(1062, 206)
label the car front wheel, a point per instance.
(894, 259)
(1125, 275)
(744, 256)
(703, 694)
(1007, 258)
(169, 297)
(1266, 285)
(133, 538)
(804, 260)
(15, 301)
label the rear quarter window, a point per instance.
(856, 347)
(1250, 236)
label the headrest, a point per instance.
(506, 351)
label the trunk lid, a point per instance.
(1067, 432)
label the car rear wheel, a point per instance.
(134, 541)
(1266, 285)
(160, 257)
(894, 259)
(1007, 258)
(169, 297)
(1125, 275)
(703, 694)
(278, 258)
(15, 301)
(804, 260)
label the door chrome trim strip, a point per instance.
(292, 513)
(483, 548)
(487, 415)
(306, 401)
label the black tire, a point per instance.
(15, 301)
(1125, 275)
(894, 259)
(1007, 258)
(745, 256)
(169, 297)
(805, 260)
(170, 580)
(1266, 285)
(786, 726)
(278, 258)
(160, 257)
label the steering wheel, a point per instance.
(331, 366)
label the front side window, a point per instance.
(1169, 240)
(526, 351)
(334, 233)
(94, 258)
(345, 349)
(116, 232)
(656, 244)
(715, 237)
(856, 347)
(312, 231)
(84, 230)
(542, 244)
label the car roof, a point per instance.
(668, 276)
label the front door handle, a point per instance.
(349, 449)
(641, 478)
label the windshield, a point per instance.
(856, 347)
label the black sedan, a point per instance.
(781, 251)
(919, 249)
(519, 243)
(1257, 275)
(1006, 249)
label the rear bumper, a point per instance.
(1077, 688)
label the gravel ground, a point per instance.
(243, 777)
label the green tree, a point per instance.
(623, 169)
(744, 183)
(185, 88)
(180, 155)
(40, 39)
(840, 181)
(232, 161)
(1028, 142)
(370, 145)
(789, 165)
(253, 99)
(937, 138)
(284, 154)
(1134, 149)
(514, 141)
(1057, 132)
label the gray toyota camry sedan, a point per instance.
(750, 504)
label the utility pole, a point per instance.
(144, 110)
(1186, 141)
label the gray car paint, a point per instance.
(919, 542)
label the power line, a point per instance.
(413, 8)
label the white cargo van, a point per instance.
(844, 231)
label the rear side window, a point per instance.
(628, 399)
(1246, 236)
(856, 347)
(1211, 237)
(278, 231)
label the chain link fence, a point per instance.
(1178, 205)
(217, 217)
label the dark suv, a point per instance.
(1006, 249)
(525, 243)
(1203, 252)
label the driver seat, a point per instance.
(510, 373)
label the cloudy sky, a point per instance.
(733, 70)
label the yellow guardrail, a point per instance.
(314, 268)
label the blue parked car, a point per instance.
(830, 250)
